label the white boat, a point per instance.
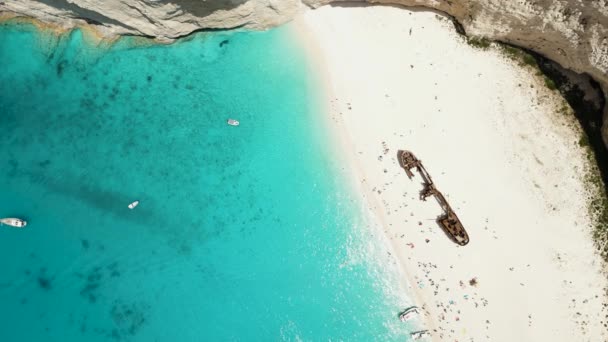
(14, 222)
(233, 122)
(408, 313)
(133, 205)
(416, 335)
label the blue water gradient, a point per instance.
(243, 233)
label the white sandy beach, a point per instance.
(491, 135)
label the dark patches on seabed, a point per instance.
(101, 199)
(61, 65)
(224, 42)
(193, 230)
(128, 318)
(88, 105)
(93, 280)
(44, 280)
(83, 324)
(44, 163)
(41, 278)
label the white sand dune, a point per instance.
(492, 137)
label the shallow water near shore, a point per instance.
(242, 233)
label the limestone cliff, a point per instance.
(573, 33)
(163, 19)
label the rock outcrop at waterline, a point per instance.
(163, 19)
(574, 33)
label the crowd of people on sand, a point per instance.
(447, 324)
(447, 303)
(449, 311)
(447, 321)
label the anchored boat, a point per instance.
(133, 205)
(13, 222)
(408, 314)
(233, 122)
(416, 335)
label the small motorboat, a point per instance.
(133, 205)
(416, 335)
(233, 122)
(13, 222)
(408, 313)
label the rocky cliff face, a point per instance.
(574, 33)
(163, 19)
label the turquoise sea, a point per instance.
(243, 233)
